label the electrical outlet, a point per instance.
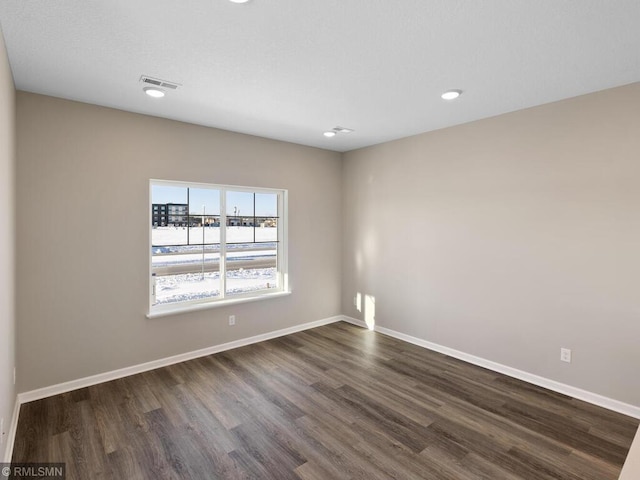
(565, 355)
(232, 319)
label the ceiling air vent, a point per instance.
(159, 83)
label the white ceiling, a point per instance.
(291, 69)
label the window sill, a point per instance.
(178, 309)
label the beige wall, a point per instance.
(631, 468)
(82, 206)
(7, 234)
(509, 238)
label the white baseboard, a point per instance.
(163, 362)
(590, 397)
(11, 436)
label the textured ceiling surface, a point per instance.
(291, 69)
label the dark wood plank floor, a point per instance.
(329, 403)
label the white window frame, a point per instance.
(223, 299)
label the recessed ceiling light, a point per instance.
(329, 133)
(153, 92)
(238, 1)
(451, 94)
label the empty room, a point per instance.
(337, 239)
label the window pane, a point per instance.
(266, 204)
(251, 267)
(240, 204)
(266, 229)
(204, 201)
(164, 235)
(168, 215)
(209, 234)
(184, 273)
(240, 230)
(204, 211)
(163, 194)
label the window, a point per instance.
(219, 244)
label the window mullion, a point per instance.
(223, 243)
(282, 254)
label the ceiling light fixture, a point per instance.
(154, 92)
(238, 1)
(335, 130)
(451, 94)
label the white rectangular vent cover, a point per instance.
(159, 83)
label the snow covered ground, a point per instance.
(194, 286)
(178, 235)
